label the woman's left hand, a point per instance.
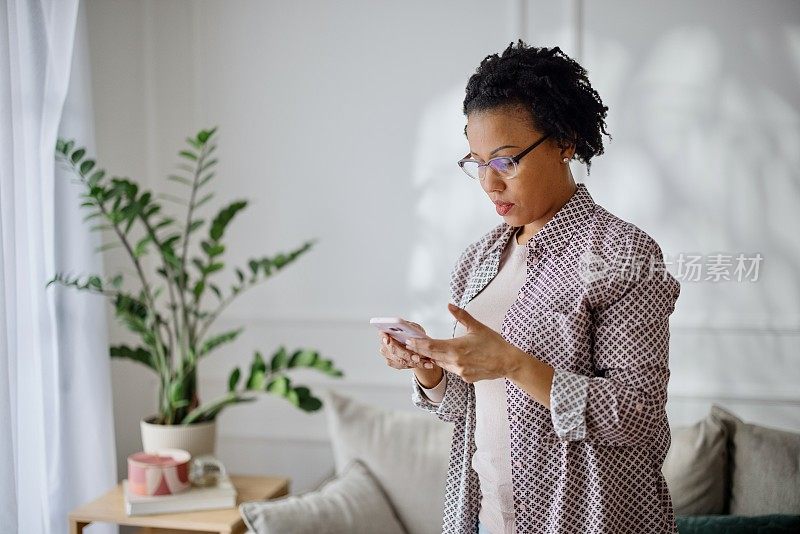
(480, 354)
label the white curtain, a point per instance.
(57, 435)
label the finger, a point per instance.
(417, 325)
(464, 317)
(430, 348)
(406, 354)
(389, 348)
(407, 358)
(389, 353)
(394, 364)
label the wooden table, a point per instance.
(110, 508)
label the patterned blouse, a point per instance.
(595, 306)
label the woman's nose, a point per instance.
(492, 181)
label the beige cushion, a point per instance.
(695, 467)
(407, 452)
(765, 468)
(352, 503)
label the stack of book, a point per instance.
(223, 495)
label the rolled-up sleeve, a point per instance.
(624, 401)
(454, 400)
(436, 393)
(568, 404)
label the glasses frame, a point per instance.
(514, 160)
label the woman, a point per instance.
(556, 374)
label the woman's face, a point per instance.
(542, 180)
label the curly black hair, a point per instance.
(551, 86)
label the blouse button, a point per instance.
(522, 507)
(639, 406)
(518, 464)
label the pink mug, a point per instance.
(161, 472)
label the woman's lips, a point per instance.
(503, 208)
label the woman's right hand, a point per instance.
(399, 357)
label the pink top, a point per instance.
(492, 458)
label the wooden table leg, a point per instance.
(76, 527)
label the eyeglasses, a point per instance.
(504, 166)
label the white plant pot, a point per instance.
(198, 438)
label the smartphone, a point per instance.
(398, 328)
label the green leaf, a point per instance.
(96, 177)
(212, 249)
(280, 359)
(108, 246)
(195, 143)
(203, 200)
(164, 222)
(197, 223)
(214, 267)
(303, 358)
(258, 362)
(141, 246)
(279, 386)
(188, 155)
(224, 217)
(170, 240)
(208, 164)
(310, 404)
(173, 198)
(216, 291)
(86, 166)
(95, 282)
(198, 289)
(180, 179)
(205, 135)
(209, 410)
(219, 339)
(138, 355)
(92, 216)
(293, 397)
(78, 154)
(204, 180)
(256, 380)
(233, 380)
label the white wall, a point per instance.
(366, 96)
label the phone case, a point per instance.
(398, 328)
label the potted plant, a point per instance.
(168, 312)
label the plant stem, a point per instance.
(224, 304)
(167, 269)
(189, 325)
(161, 360)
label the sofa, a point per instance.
(390, 467)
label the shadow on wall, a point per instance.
(451, 211)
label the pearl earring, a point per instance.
(565, 160)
